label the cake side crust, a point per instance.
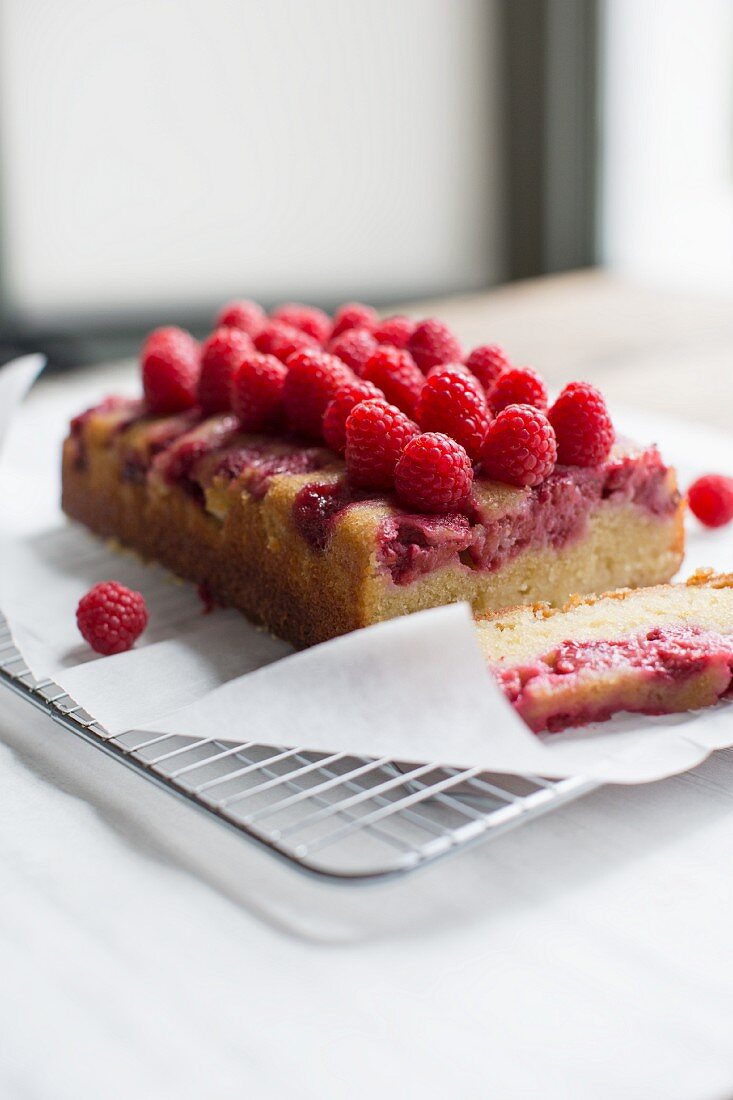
(244, 559)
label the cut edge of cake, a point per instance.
(656, 650)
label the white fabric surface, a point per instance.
(146, 953)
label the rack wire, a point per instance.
(345, 818)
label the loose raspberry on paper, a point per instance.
(111, 617)
(337, 411)
(309, 319)
(395, 331)
(170, 370)
(354, 315)
(434, 474)
(432, 343)
(397, 375)
(257, 392)
(711, 499)
(582, 425)
(520, 447)
(220, 354)
(487, 362)
(355, 347)
(454, 404)
(376, 434)
(314, 378)
(244, 314)
(518, 386)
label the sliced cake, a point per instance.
(319, 494)
(655, 650)
(276, 529)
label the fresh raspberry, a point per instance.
(170, 370)
(242, 314)
(308, 319)
(314, 378)
(711, 499)
(395, 331)
(454, 404)
(487, 362)
(257, 392)
(111, 617)
(518, 386)
(220, 354)
(457, 368)
(354, 315)
(397, 375)
(431, 343)
(281, 340)
(582, 425)
(162, 336)
(333, 427)
(520, 446)
(376, 434)
(434, 474)
(355, 347)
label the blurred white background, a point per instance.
(176, 152)
(667, 180)
(159, 156)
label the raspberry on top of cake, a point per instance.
(325, 473)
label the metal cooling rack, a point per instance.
(341, 817)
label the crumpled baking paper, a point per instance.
(413, 689)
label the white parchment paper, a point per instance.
(414, 689)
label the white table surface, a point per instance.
(144, 952)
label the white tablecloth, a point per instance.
(144, 952)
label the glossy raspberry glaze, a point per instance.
(413, 545)
(663, 655)
(128, 411)
(256, 465)
(317, 506)
(176, 463)
(159, 436)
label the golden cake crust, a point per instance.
(701, 578)
(522, 633)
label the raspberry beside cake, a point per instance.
(492, 505)
(656, 650)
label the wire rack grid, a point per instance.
(340, 817)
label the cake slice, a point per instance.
(656, 650)
(275, 528)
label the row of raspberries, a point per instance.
(396, 398)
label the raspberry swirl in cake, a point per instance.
(654, 651)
